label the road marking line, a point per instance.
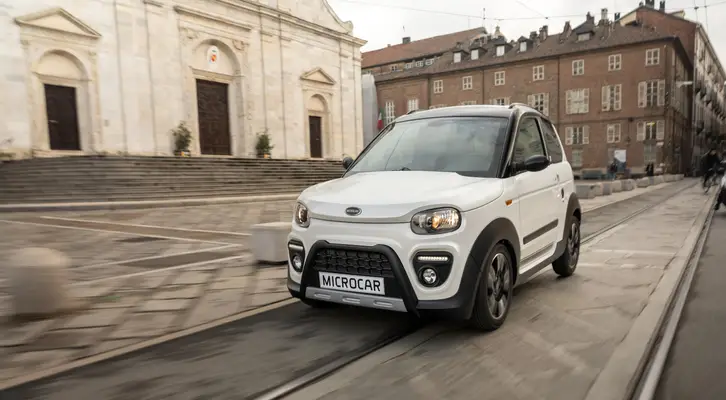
(111, 231)
(648, 252)
(147, 226)
(141, 345)
(84, 267)
(176, 267)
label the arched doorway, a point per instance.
(317, 111)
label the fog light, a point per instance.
(297, 262)
(428, 275)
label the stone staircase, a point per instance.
(108, 178)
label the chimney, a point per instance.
(603, 16)
(533, 36)
(407, 40)
(567, 29)
(650, 3)
(661, 8)
(498, 33)
(543, 33)
(590, 18)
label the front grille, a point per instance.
(357, 262)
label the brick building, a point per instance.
(707, 89)
(606, 86)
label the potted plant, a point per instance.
(182, 139)
(264, 145)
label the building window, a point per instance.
(651, 93)
(502, 101)
(612, 97)
(468, 103)
(439, 86)
(576, 161)
(394, 68)
(475, 54)
(577, 135)
(429, 61)
(409, 65)
(500, 51)
(577, 101)
(457, 57)
(583, 36)
(540, 102)
(412, 105)
(652, 57)
(499, 78)
(522, 46)
(466, 83)
(419, 64)
(649, 153)
(651, 130)
(538, 73)
(615, 62)
(578, 67)
(390, 112)
(613, 133)
(437, 106)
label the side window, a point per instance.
(528, 142)
(553, 145)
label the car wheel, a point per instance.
(566, 264)
(317, 303)
(494, 294)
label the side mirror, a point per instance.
(347, 162)
(536, 163)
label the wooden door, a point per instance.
(316, 137)
(62, 113)
(213, 114)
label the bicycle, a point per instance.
(713, 180)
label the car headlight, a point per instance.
(441, 220)
(301, 215)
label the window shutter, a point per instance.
(546, 106)
(492, 101)
(568, 102)
(641, 94)
(660, 130)
(610, 133)
(661, 92)
(586, 100)
(617, 102)
(586, 134)
(506, 101)
(568, 135)
(530, 100)
(606, 98)
(640, 136)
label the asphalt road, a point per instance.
(244, 358)
(696, 365)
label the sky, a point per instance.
(383, 22)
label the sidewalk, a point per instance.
(133, 308)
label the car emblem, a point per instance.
(352, 211)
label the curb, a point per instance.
(135, 205)
(621, 375)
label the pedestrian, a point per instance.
(612, 170)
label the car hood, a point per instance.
(394, 196)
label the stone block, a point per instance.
(588, 190)
(679, 177)
(269, 241)
(658, 179)
(644, 182)
(616, 186)
(607, 188)
(628, 185)
(38, 283)
(669, 178)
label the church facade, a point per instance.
(116, 77)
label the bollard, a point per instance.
(607, 188)
(39, 284)
(585, 191)
(269, 242)
(616, 186)
(644, 182)
(657, 180)
(628, 185)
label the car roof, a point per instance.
(467, 111)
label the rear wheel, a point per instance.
(566, 264)
(494, 295)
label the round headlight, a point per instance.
(301, 216)
(442, 220)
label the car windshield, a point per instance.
(469, 146)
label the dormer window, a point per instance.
(500, 51)
(457, 57)
(583, 36)
(419, 64)
(408, 65)
(475, 54)
(522, 46)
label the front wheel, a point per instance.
(494, 294)
(566, 264)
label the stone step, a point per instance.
(181, 162)
(90, 178)
(181, 185)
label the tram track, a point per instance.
(311, 377)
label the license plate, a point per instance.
(352, 283)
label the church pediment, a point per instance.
(59, 20)
(319, 76)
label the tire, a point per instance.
(317, 303)
(566, 264)
(495, 290)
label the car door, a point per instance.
(562, 170)
(535, 194)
